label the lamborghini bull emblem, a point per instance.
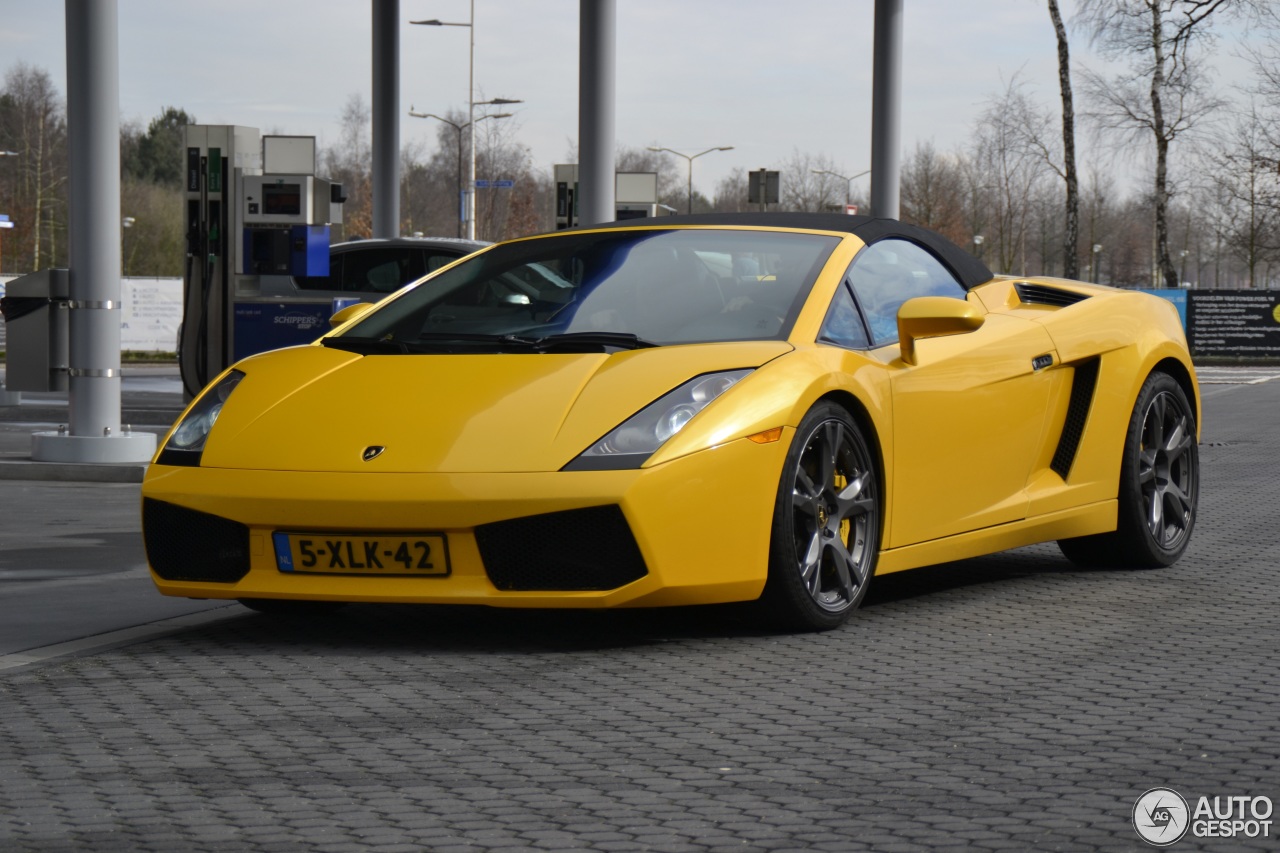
(372, 452)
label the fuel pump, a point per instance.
(254, 208)
(635, 194)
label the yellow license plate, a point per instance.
(369, 554)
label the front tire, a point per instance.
(1159, 485)
(826, 524)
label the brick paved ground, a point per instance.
(1006, 703)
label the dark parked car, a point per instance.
(288, 310)
(373, 268)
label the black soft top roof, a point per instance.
(970, 271)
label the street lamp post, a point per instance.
(691, 159)
(978, 240)
(469, 202)
(848, 186)
(1093, 263)
(125, 225)
(458, 128)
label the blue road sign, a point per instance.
(502, 185)
(482, 185)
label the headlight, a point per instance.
(629, 445)
(186, 445)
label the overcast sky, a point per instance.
(764, 76)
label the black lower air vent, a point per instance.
(578, 549)
(188, 545)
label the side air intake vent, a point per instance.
(1038, 294)
(1083, 381)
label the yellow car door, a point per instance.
(969, 420)
(968, 409)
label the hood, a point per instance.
(317, 409)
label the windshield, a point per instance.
(654, 287)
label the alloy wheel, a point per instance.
(835, 516)
(1167, 470)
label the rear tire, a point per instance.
(826, 524)
(1159, 485)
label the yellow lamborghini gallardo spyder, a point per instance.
(684, 410)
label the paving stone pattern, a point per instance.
(1004, 703)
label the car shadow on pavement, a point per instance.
(992, 568)
(435, 629)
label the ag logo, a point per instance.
(1161, 817)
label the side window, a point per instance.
(887, 274)
(332, 281)
(843, 325)
(381, 270)
(435, 261)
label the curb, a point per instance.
(25, 468)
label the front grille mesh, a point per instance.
(578, 549)
(187, 545)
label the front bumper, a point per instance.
(701, 523)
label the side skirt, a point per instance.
(1064, 524)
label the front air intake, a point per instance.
(188, 545)
(1039, 294)
(578, 549)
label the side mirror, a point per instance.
(349, 313)
(934, 317)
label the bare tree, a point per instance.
(500, 157)
(1011, 159)
(1243, 171)
(1164, 95)
(1266, 66)
(731, 192)
(933, 190)
(976, 201)
(808, 185)
(1071, 231)
(1097, 205)
(532, 205)
(350, 163)
(431, 185)
(33, 124)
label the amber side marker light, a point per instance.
(767, 437)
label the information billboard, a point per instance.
(1242, 323)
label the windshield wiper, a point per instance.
(431, 342)
(365, 346)
(446, 341)
(476, 337)
(619, 340)
(435, 340)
